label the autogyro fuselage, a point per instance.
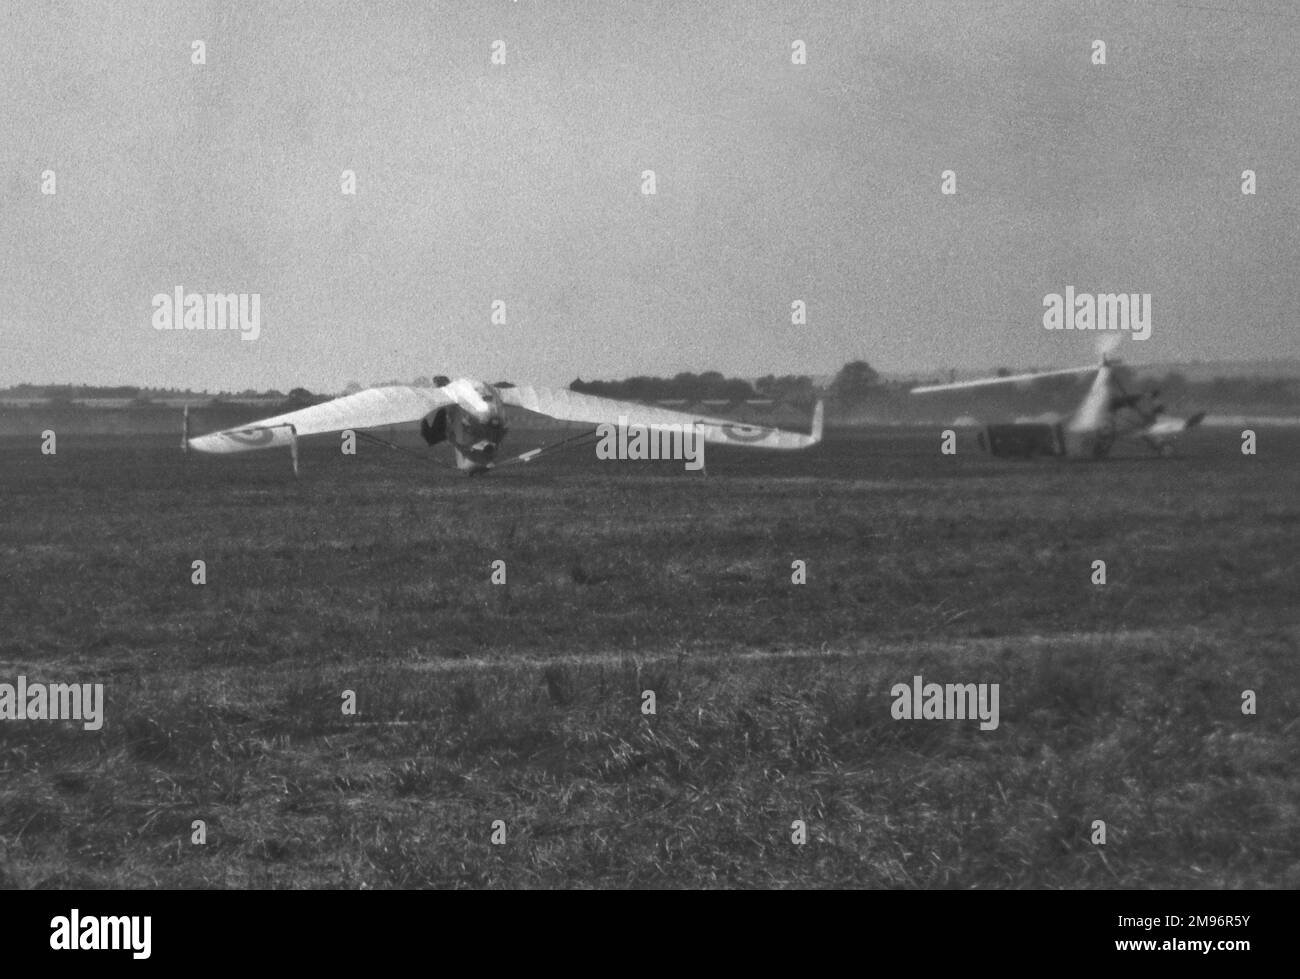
(1107, 413)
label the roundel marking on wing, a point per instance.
(252, 436)
(746, 433)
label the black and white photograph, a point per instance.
(565, 445)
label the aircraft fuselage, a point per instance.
(475, 425)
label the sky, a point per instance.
(521, 183)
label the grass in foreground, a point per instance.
(522, 702)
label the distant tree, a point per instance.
(684, 386)
(1003, 372)
(303, 397)
(1173, 384)
(739, 390)
(352, 388)
(710, 383)
(790, 389)
(854, 382)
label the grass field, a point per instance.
(521, 702)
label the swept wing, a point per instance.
(372, 408)
(571, 406)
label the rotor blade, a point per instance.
(1011, 379)
(373, 408)
(1106, 344)
(572, 406)
(1092, 412)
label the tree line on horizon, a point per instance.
(856, 384)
